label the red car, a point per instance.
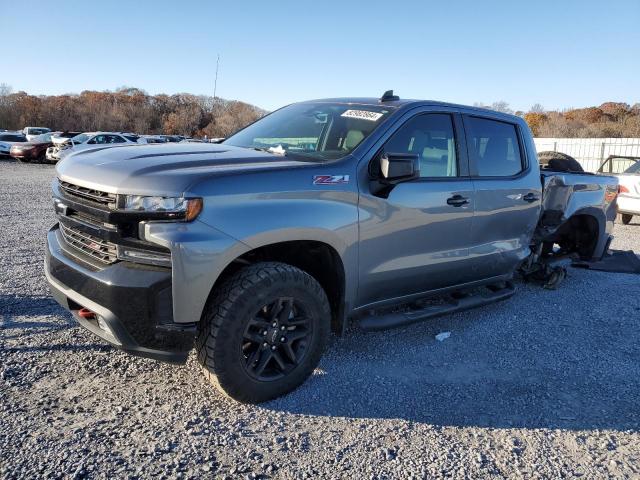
(35, 150)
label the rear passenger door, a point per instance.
(508, 193)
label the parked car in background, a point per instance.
(32, 132)
(8, 139)
(86, 141)
(59, 138)
(154, 139)
(173, 138)
(627, 171)
(33, 151)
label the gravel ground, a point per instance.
(543, 385)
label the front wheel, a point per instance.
(626, 218)
(263, 332)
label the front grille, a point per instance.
(96, 196)
(95, 247)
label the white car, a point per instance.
(7, 139)
(31, 132)
(627, 170)
(85, 141)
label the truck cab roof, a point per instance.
(408, 103)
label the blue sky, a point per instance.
(558, 53)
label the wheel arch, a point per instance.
(587, 229)
(317, 258)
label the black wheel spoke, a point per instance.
(259, 323)
(298, 322)
(264, 356)
(296, 335)
(286, 308)
(253, 358)
(253, 337)
(279, 360)
(288, 350)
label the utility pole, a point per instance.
(215, 84)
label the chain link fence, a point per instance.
(590, 152)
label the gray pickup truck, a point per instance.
(381, 211)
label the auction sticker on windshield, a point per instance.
(362, 115)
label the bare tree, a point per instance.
(536, 108)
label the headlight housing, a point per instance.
(178, 208)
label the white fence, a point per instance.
(590, 152)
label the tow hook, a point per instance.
(87, 314)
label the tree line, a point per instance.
(609, 120)
(126, 110)
(133, 110)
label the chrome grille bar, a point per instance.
(98, 196)
(95, 247)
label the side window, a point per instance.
(431, 137)
(493, 147)
(116, 139)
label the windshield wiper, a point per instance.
(274, 150)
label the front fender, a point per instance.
(199, 254)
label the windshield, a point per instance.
(45, 137)
(322, 131)
(83, 137)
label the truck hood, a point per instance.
(161, 169)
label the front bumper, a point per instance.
(134, 301)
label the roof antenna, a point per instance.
(388, 96)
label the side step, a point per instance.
(401, 319)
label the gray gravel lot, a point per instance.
(543, 385)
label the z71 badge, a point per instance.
(330, 179)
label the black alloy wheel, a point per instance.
(276, 339)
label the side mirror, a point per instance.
(399, 167)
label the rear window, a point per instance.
(493, 146)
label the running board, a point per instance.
(401, 319)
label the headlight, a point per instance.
(175, 207)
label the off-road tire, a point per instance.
(229, 310)
(626, 218)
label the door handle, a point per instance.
(530, 197)
(457, 200)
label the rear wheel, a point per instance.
(626, 218)
(263, 332)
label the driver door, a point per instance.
(417, 239)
